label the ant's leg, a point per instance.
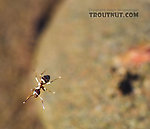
(42, 102)
(48, 90)
(32, 90)
(27, 99)
(41, 75)
(37, 80)
(54, 80)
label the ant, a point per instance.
(44, 79)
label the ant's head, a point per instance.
(45, 78)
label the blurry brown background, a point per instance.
(59, 37)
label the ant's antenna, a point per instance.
(55, 79)
(42, 72)
(53, 92)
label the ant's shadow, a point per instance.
(125, 85)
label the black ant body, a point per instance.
(36, 91)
